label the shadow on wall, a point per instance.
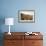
(2, 21)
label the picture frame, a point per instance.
(26, 16)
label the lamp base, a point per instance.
(9, 33)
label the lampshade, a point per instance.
(9, 21)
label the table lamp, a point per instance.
(9, 21)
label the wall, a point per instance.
(9, 8)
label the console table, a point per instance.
(21, 39)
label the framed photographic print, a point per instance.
(26, 16)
